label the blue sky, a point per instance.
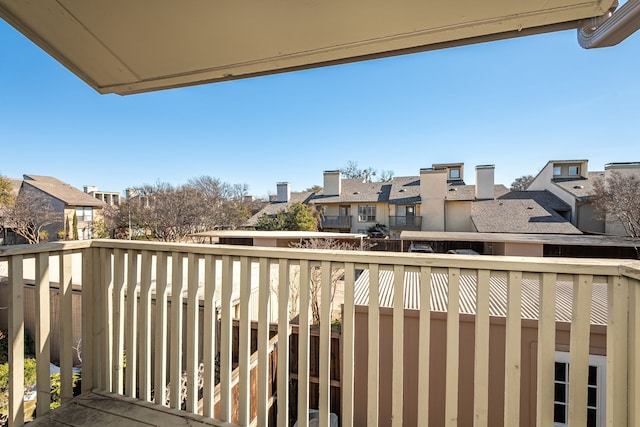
(515, 103)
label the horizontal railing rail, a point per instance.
(405, 223)
(155, 313)
(343, 221)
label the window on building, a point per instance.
(574, 170)
(84, 214)
(595, 391)
(454, 173)
(366, 213)
(557, 170)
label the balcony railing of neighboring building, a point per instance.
(216, 284)
(342, 222)
(413, 223)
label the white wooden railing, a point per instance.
(162, 341)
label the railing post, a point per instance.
(617, 351)
(43, 334)
(633, 358)
(88, 311)
(16, 342)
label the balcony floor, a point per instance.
(98, 410)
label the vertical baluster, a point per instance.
(209, 336)
(348, 326)
(424, 346)
(118, 321)
(546, 350)
(303, 347)
(579, 350)
(617, 351)
(132, 322)
(244, 356)
(225, 339)
(263, 342)
(176, 330)
(192, 333)
(66, 328)
(325, 343)
(16, 342)
(634, 352)
(481, 359)
(283, 343)
(89, 313)
(160, 346)
(397, 385)
(145, 327)
(43, 334)
(373, 357)
(107, 321)
(453, 348)
(513, 339)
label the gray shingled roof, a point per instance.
(274, 207)
(518, 216)
(544, 198)
(355, 190)
(580, 188)
(468, 192)
(62, 191)
(530, 306)
(405, 190)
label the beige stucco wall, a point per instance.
(589, 219)
(459, 216)
(433, 189)
(438, 362)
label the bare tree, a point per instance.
(31, 212)
(521, 183)
(315, 277)
(619, 197)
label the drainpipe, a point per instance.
(611, 28)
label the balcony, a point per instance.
(411, 223)
(205, 362)
(336, 222)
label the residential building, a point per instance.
(436, 200)
(572, 182)
(111, 198)
(69, 203)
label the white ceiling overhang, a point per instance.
(130, 46)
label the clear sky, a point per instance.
(516, 104)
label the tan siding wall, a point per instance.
(459, 216)
(588, 219)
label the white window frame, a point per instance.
(577, 170)
(369, 214)
(81, 213)
(454, 173)
(600, 362)
(557, 170)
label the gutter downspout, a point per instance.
(611, 28)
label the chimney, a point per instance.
(284, 192)
(485, 185)
(332, 183)
(433, 192)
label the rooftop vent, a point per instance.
(578, 187)
(402, 190)
(356, 192)
(453, 189)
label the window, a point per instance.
(454, 173)
(84, 214)
(574, 170)
(557, 170)
(595, 394)
(366, 213)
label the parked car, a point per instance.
(462, 252)
(421, 247)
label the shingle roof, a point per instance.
(468, 192)
(518, 216)
(544, 198)
(530, 305)
(405, 190)
(274, 207)
(355, 190)
(580, 188)
(62, 191)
